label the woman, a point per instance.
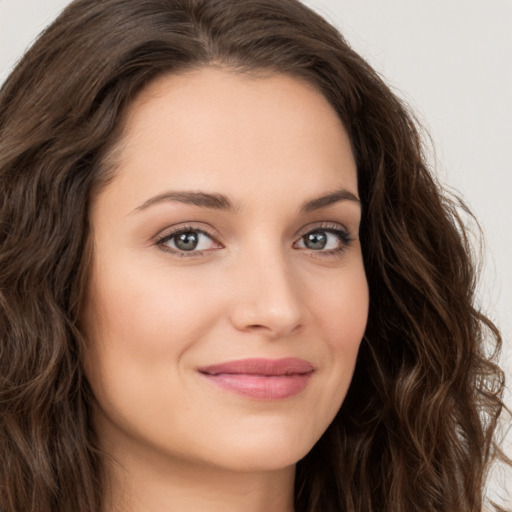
(228, 280)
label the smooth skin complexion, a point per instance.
(227, 299)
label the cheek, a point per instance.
(140, 327)
(343, 312)
(340, 309)
(147, 313)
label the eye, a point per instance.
(187, 240)
(328, 240)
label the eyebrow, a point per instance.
(201, 199)
(329, 200)
(216, 201)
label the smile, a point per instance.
(264, 379)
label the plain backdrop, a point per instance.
(451, 61)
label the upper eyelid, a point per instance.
(183, 228)
(323, 225)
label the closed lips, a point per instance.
(261, 379)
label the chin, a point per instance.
(263, 451)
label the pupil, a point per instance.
(187, 241)
(316, 240)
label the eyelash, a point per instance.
(161, 241)
(335, 229)
(343, 235)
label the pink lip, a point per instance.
(266, 379)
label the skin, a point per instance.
(153, 316)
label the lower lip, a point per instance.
(262, 387)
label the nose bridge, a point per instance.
(268, 296)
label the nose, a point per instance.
(267, 299)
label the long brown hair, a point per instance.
(415, 432)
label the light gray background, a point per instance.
(452, 62)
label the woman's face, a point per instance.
(228, 297)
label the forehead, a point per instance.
(214, 128)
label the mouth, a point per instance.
(263, 379)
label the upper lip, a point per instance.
(261, 366)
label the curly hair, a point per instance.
(416, 430)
